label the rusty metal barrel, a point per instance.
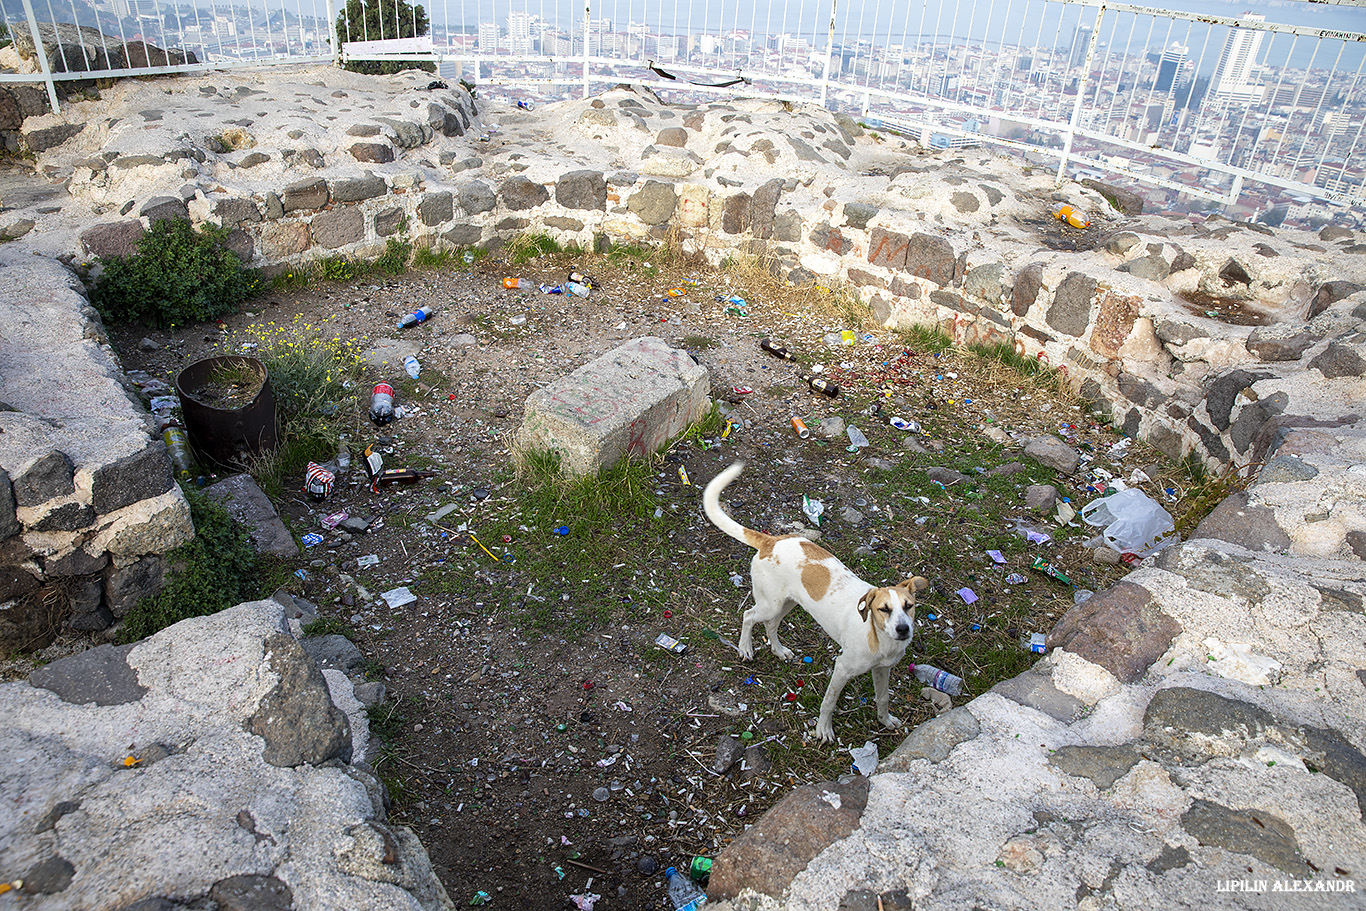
(229, 408)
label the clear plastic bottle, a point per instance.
(343, 458)
(684, 894)
(940, 680)
(577, 288)
(412, 366)
(382, 403)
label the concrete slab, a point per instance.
(630, 401)
(245, 501)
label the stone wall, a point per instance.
(87, 502)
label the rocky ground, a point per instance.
(536, 737)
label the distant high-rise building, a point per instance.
(488, 37)
(519, 32)
(1081, 40)
(1233, 77)
(1170, 68)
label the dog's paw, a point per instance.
(785, 653)
(891, 721)
(825, 731)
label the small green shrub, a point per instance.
(336, 269)
(208, 574)
(394, 259)
(178, 275)
(525, 247)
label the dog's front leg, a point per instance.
(839, 678)
(883, 692)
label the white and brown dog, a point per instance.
(873, 626)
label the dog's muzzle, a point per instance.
(903, 632)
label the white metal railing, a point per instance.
(1202, 106)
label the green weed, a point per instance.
(532, 245)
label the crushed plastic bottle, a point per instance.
(856, 438)
(684, 894)
(940, 680)
(411, 366)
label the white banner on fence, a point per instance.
(421, 45)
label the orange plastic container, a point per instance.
(1073, 216)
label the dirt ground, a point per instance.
(536, 738)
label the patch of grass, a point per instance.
(315, 378)
(532, 245)
(295, 279)
(445, 259)
(924, 338)
(698, 342)
(327, 626)
(1206, 491)
(178, 275)
(337, 269)
(214, 571)
(394, 259)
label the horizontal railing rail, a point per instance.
(1191, 103)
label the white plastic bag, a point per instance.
(1132, 522)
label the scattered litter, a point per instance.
(800, 426)
(968, 595)
(318, 481)
(1133, 522)
(670, 643)
(737, 580)
(586, 901)
(397, 597)
(742, 390)
(812, 508)
(1038, 643)
(996, 556)
(857, 440)
(903, 424)
(1031, 534)
(481, 898)
(831, 798)
(1015, 579)
(1048, 569)
(441, 513)
(562, 530)
(865, 758)
(941, 702)
(311, 539)
(367, 560)
(776, 350)
(1081, 595)
(683, 476)
(1237, 661)
(1065, 513)
(621, 707)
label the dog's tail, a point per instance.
(711, 504)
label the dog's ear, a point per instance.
(914, 584)
(865, 604)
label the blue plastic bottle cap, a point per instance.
(806, 659)
(562, 530)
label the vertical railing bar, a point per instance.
(1105, 65)
(934, 54)
(80, 34)
(1193, 122)
(1350, 92)
(332, 31)
(1081, 91)
(1114, 95)
(57, 37)
(1276, 156)
(967, 53)
(180, 28)
(1034, 56)
(1274, 93)
(829, 50)
(587, 18)
(1147, 43)
(1318, 107)
(41, 53)
(1000, 49)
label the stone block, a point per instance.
(520, 193)
(630, 401)
(100, 675)
(9, 525)
(465, 235)
(888, 249)
(931, 258)
(1120, 628)
(372, 152)
(933, 740)
(334, 652)
(475, 196)
(762, 207)
(767, 856)
(125, 585)
(858, 214)
(735, 214)
(388, 221)
(240, 243)
(280, 240)
(436, 209)
(164, 207)
(338, 227)
(297, 719)
(357, 189)
(654, 203)
(125, 481)
(305, 194)
(1070, 312)
(119, 238)
(43, 479)
(246, 503)
(581, 190)
(44, 138)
